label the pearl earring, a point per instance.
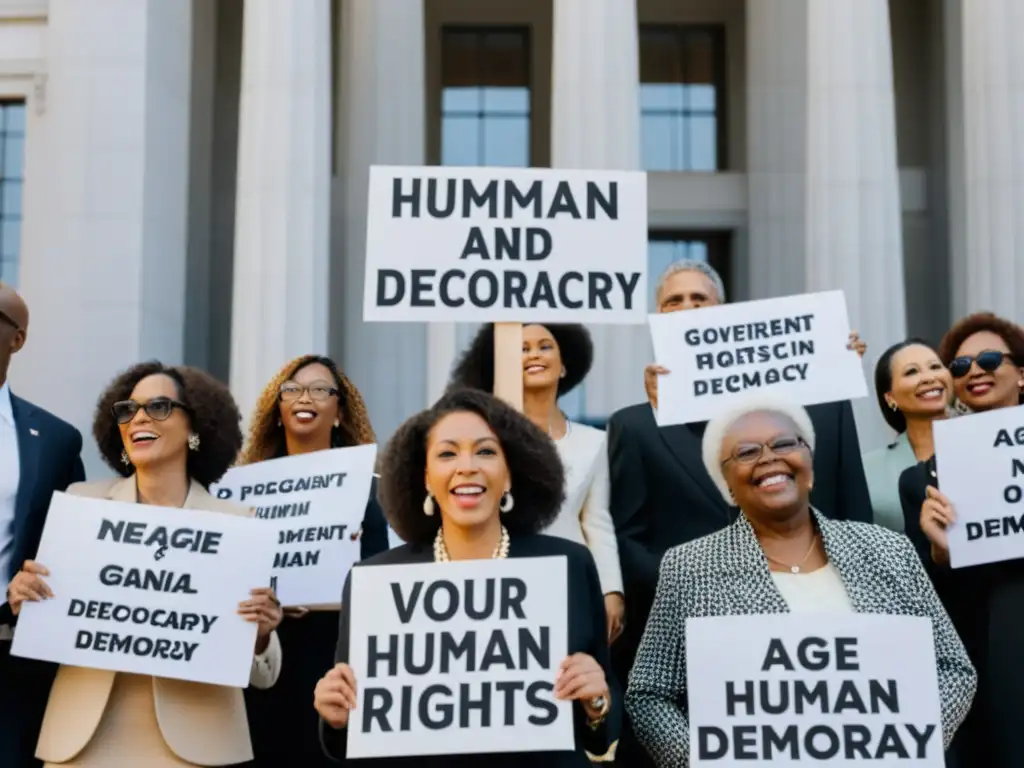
(193, 442)
(428, 506)
(507, 502)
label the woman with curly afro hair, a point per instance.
(310, 405)
(472, 479)
(985, 356)
(556, 358)
(169, 431)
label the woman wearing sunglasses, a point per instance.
(985, 356)
(308, 406)
(780, 556)
(170, 432)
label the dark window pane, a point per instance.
(681, 95)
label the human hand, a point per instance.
(28, 584)
(581, 678)
(615, 611)
(936, 516)
(335, 695)
(264, 609)
(856, 344)
(651, 373)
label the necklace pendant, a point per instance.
(795, 569)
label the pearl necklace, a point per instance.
(441, 551)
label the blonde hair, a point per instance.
(266, 435)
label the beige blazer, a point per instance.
(202, 724)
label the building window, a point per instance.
(12, 178)
(663, 248)
(682, 76)
(485, 96)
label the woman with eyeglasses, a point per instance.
(169, 432)
(781, 555)
(985, 356)
(914, 389)
(310, 405)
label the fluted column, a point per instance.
(383, 83)
(105, 220)
(595, 124)
(279, 307)
(986, 130)
(825, 204)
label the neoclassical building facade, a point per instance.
(186, 179)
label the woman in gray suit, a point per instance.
(792, 558)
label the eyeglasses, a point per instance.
(988, 361)
(318, 391)
(159, 409)
(748, 453)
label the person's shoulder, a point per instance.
(93, 489)
(50, 421)
(693, 554)
(542, 545)
(211, 503)
(914, 477)
(406, 553)
(873, 537)
(632, 417)
(587, 431)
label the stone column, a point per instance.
(986, 135)
(824, 186)
(105, 205)
(382, 89)
(279, 307)
(595, 124)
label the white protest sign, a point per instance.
(149, 590)
(481, 245)
(794, 347)
(979, 460)
(826, 689)
(459, 658)
(315, 503)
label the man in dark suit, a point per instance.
(662, 496)
(39, 454)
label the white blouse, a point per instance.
(820, 591)
(584, 517)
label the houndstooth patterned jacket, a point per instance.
(726, 573)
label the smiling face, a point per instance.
(542, 360)
(769, 483)
(921, 384)
(466, 471)
(308, 403)
(982, 390)
(149, 440)
(688, 289)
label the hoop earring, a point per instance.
(507, 502)
(124, 458)
(193, 442)
(428, 506)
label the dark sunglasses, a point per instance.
(159, 409)
(988, 361)
(748, 453)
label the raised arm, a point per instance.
(656, 696)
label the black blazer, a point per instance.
(374, 538)
(50, 451)
(587, 634)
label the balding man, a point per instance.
(39, 454)
(662, 496)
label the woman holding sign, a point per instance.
(493, 481)
(985, 355)
(557, 358)
(308, 406)
(780, 556)
(170, 432)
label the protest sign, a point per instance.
(477, 245)
(315, 503)
(794, 347)
(459, 658)
(979, 460)
(150, 590)
(826, 689)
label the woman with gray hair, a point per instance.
(780, 555)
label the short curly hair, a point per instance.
(963, 329)
(213, 415)
(266, 435)
(475, 370)
(535, 469)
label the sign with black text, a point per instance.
(149, 590)
(813, 688)
(459, 658)
(479, 245)
(979, 459)
(315, 503)
(793, 347)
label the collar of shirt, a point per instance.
(6, 410)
